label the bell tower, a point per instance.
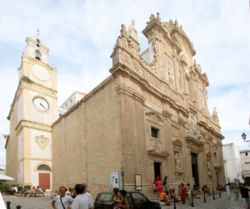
(33, 110)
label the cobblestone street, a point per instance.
(44, 203)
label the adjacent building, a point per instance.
(232, 163)
(245, 165)
(149, 118)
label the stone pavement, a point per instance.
(29, 202)
(44, 203)
(218, 203)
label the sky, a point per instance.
(81, 35)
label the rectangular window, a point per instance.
(154, 132)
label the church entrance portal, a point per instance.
(195, 172)
(157, 169)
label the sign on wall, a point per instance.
(115, 180)
(138, 182)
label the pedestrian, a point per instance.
(116, 198)
(188, 192)
(62, 201)
(154, 187)
(165, 185)
(158, 184)
(183, 193)
(82, 200)
(244, 191)
(124, 202)
(87, 192)
(228, 191)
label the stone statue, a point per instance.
(132, 31)
(177, 161)
(208, 165)
(215, 113)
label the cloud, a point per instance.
(81, 36)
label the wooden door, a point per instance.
(44, 180)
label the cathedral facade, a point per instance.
(149, 118)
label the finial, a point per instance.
(152, 16)
(133, 22)
(158, 16)
(37, 32)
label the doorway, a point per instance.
(44, 180)
(157, 169)
(195, 173)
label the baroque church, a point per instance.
(149, 118)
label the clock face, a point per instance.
(41, 104)
(40, 72)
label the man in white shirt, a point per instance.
(82, 200)
(62, 201)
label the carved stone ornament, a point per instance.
(154, 117)
(42, 141)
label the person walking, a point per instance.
(62, 201)
(82, 200)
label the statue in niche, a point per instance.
(170, 72)
(209, 168)
(177, 161)
(192, 128)
(180, 78)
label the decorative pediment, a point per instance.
(159, 154)
(156, 149)
(154, 117)
(195, 140)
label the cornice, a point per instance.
(123, 89)
(120, 68)
(32, 124)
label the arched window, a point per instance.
(43, 167)
(38, 54)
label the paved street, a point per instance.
(44, 203)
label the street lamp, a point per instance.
(244, 136)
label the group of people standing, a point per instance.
(160, 187)
(79, 199)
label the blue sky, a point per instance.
(82, 34)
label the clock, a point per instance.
(41, 104)
(40, 72)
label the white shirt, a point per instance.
(66, 199)
(2, 205)
(82, 201)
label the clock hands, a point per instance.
(41, 104)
